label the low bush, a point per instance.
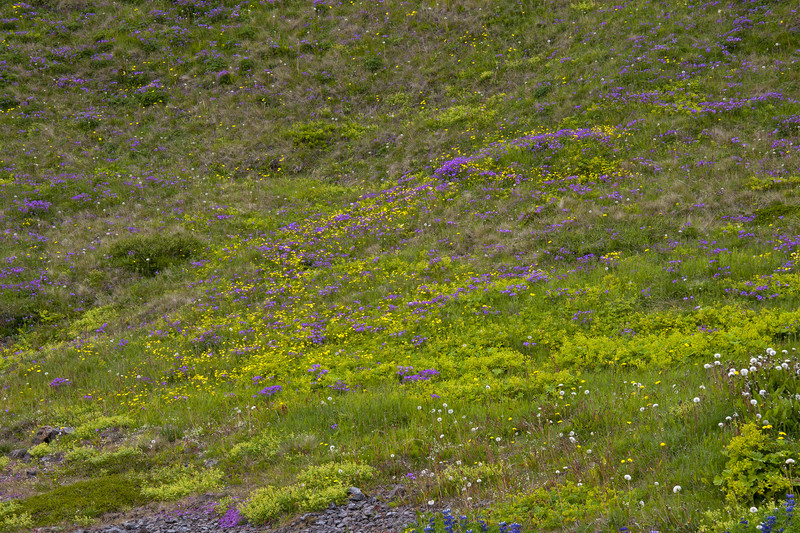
(316, 487)
(176, 482)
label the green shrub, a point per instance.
(328, 474)
(755, 470)
(149, 255)
(270, 502)
(178, 481)
(316, 487)
(264, 447)
(758, 184)
(319, 133)
(40, 450)
(319, 499)
(80, 454)
(373, 63)
(11, 520)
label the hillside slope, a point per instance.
(533, 260)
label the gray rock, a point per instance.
(20, 453)
(356, 495)
(398, 491)
(44, 434)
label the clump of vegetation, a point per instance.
(152, 254)
(316, 487)
(11, 519)
(171, 483)
(91, 498)
(757, 467)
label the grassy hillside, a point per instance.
(536, 261)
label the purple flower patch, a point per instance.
(270, 391)
(59, 382)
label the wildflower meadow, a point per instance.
(534, 265)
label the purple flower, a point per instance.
(269, 391)
(231, 518)
(423, 375)
(59, 382)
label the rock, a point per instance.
(398, 491)
(20, 453)
(356, 495)
(66, 430)
(44, 434)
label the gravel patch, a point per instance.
(362, 513)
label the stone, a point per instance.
(398, 491)
(44, 434)
(356, 495)
(20, 453)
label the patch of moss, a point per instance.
(90, 498)
(771, 213)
